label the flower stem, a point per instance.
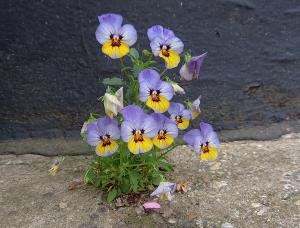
(163, 72)
(166, 152)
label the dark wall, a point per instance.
(51, 65)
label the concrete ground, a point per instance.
(251, 184)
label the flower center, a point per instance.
(115, 40)
(178, 119)
(205, 148)
(165, 50)
(138, 135)
(155, 95)
(106, 140)
(162, 134)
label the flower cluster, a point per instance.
(150, 121)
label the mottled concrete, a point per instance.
(251, 184)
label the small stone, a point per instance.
(62, 205)
(172, 220)
(139, 210)
(262, 211)
(199, 223)
(215, 166)
(219, 184)
(297, 203)
(227, 225)
(167, 212)
(256, 205)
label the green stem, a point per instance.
(166, 152)
(163, 72)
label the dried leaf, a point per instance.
(182, 186)
(76, 183)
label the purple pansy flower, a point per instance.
(180, 115)
(155, 92)
(166, 131)
(137, 129)
(165, 44)
(204, 141)
(190, 71)
(115, 38)
(103, 134)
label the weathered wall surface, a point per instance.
(51, 65)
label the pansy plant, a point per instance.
(135, 132)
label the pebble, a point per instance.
(262, 211)
(256, 205)
(215, 166)
(62, 205)
(297, 203)
(219, 184)
(227, 225)
(172, 220)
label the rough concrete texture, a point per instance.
(51, 66)
(251, 184)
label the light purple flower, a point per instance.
(166, 131)
(204, 141)
(180, 115)
(164, 187)
(190, 71)
(137, 129)
(103, 134)
(115, 38)
(155, 92)
(165, 44)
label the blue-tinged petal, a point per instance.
(103, 32)
(93, 136)
(191, 136)
(133, 113)
(198, 141)
(185, 73)
(126, 130)
(155, 31)
(181, 107)
(113, 131)
(159, 119)
(213, 139)
(171, 127)
(195, 64)
(175, 44)
(164, 187)
(149, 75)
(144, 91)
(166, 89)
(149, 126)
(205, 129)
(174, 108)
(186, 114)
(168, 34)
(129, 34)
(155, 45)
(111, 18)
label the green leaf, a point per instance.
(125, 184)
(133, 177)
(90, 176)
(134, 53)
(112, 81)
(112, 195)
(165, 166)
(157, 178)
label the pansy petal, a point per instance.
(191, 136)
(174, 108)
(149, 126)
(213, 139)
(166, 89)
(133, 113)
(175, 44)
(113, 131)
(111, 18)
(196, 63)
(126, 130)
(186, 114)
(144, 91)
(149, 75)
(168, 34)
(155, 45)
(171, 128)
(103, 32)
(185, 73)
(205, 129)
(93, 136)
(129, 34)
(155, 31)
(164, 187)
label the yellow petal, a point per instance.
(184, 125)
(114, 51)
(172, 60)
(195, 114)
(160, 106)
(107, 149)
(140, 146)
(163, 143)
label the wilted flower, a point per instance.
(204, 141)
(166, 131)
(115, 38)
(164, 187)
(177, 88)
(137, 129)
(180, 115)
(103, 134)
(165, 44)
(190, 70)
(113, 103)
(195, 109)
(53, 168)
(155, 92)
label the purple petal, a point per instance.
(129, 34)
(159, 119)
(93, 136)
(175, 44)
(191, 136)
(149, 126)
(126, 130)
(196, 104)
(133, 113)
(185, 73)
(164, 187)
(113, 130)
(205, 129)
(166, 89)
(213, 139)
(144, 91)
(155, 45)
(155, 31)
(149, 76)
(186, 114)
(197, 144)
(113, 19)
(174, 108)
(103, 32)
(195, 64)
(167, 34)
(171, 127)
